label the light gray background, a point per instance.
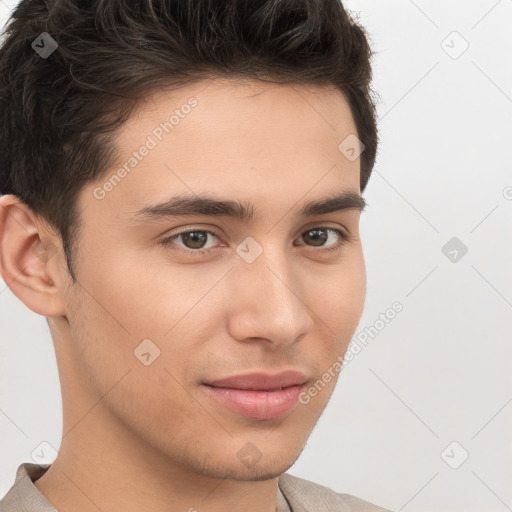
(439, 372)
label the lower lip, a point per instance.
(260, 405)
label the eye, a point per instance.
(320, 235)
(194, 240)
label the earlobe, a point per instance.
(28, 258)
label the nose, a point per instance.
(268, 301)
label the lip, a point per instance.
(258, 395)
(261, 381)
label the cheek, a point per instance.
(129, 301)
(148, 394)
(112, 313)
(336, 306)
(339, 295)
(352, 294)
(141, 297)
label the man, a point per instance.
(182, 191)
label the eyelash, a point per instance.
(167, 242)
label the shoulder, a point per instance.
(304, 495)
(23, 495)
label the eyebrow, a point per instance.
(184, 205)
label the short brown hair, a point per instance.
(59, 115)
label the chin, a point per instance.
(254, 474)
(265, 468)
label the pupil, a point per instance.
(193, 236)
(322, 238)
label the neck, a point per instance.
(104, 465)
(118, 473)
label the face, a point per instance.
(153, 317)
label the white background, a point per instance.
(440, 371)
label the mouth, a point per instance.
(258, 395)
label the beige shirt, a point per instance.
(294, 495)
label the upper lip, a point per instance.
(261, 381)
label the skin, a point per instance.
(139, 437)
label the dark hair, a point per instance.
(59, 115)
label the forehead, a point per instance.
(220, 107)
(232, 139)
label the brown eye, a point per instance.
(317, 237)
(193, 240)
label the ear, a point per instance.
(29, 258)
